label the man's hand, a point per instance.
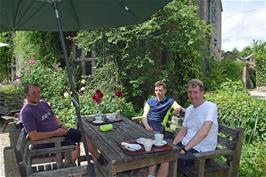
(148, 127)
(64, 127)
(182, 152)
(61, 131)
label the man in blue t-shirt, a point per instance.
(157, 111)
(40, 123)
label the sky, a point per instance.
(242, 22)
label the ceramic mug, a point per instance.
(147, 144)
(158, 138)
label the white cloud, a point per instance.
(243, 22)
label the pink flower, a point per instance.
(118, 93)
(16, 77)
(32, 62)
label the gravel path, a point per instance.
(4, 141)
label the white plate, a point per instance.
(140, 140)
(98, 121)
(162, 143)
(133, 147)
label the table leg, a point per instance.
(173, 168)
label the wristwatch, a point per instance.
(184, 149)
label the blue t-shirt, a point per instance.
(158, 109)
(38, 117)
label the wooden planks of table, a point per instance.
(118, 160)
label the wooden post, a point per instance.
(11, 165)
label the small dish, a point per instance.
(162, 143)
(97, 121)
(133, 147)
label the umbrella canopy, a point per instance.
(75, 14)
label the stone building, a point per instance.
(211, 12)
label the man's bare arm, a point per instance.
(145, 118)
(34, 135)
(180, 135)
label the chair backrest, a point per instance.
(232, 138)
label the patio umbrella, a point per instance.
(74, 15)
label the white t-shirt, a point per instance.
(195, 118)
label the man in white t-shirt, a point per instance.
(200, 126)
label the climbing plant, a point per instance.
(40, 46)
(167, 47)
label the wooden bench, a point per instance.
(24, 161)
(223, 162)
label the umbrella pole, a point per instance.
(75, 99)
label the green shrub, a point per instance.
(53, 80)
(105, 79)
(232, 69)
(10, 88)
(237, 109)
(252, 161)
(222, 71)
(261, 69)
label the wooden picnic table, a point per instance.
(118, 160)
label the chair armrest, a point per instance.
(12, 112)
(54, 150)
(50, 140)
(137, 119)
(212, 154)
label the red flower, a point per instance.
(97, 98)
(118, 93)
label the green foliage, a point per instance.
(53, 80)
(237, 109)
(222, 71)
(41, 46)
(261, 70)
(110, 102)
(10, 88)
(252, 162)
(5, 56)
(87, 87)
(138, 51)
(231, 69)
(258, 50)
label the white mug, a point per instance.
(158, 138)
(147, 144)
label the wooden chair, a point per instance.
(223, 162)
(40, 162)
